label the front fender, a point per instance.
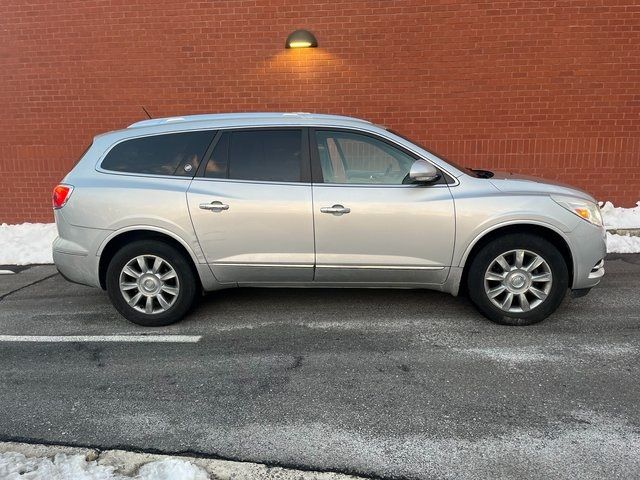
(469, 247)
(478, 215)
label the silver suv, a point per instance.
(168, 208)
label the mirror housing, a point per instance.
(423, 172)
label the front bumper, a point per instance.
(589, 247)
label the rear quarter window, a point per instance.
(169, 154)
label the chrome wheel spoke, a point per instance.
(524, 303)
(163, 303)
(519, 258)
(535, 263)
(157, 263)
(135, 299)
(494, 292)
(170, 290)
(503, 263)
(168, 276)
(538, 293)
(131, 272)
(506, 303)
(142, 264)
(128, 286)
(493, 276)
(541, 277)
(148, 307)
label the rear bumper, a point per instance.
(76, 268)
(74, 251)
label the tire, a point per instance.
(544, 287)
(172, 288)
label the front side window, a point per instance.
(170, 154)
(262, 155)
(354, 158)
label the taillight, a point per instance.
(61, 194)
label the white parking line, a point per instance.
(102, 338)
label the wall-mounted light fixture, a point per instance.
(301, 39)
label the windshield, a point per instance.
(468, 171)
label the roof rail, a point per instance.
(238, 116)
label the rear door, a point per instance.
(251, 206)
(371, 226)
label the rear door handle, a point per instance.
(215, 206)
(336, 210)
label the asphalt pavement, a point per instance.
(379, 383)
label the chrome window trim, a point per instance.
(144, 175)
(260, 182)
(311, 184)
(382, 185)
(408, 146)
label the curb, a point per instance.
(627, 232)
(126, 463)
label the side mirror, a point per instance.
(423, 172)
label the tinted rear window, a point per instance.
(265, 155)
(170, 154)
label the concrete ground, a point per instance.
(380, 383)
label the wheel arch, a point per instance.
(117, 240)
(549, 233)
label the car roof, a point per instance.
(251, 118)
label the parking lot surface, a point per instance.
(380, 383)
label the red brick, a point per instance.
(544, 88)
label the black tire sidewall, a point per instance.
(184, 271)
(535, 244)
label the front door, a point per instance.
(251, 207)
(371, 226)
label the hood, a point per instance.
(516, 183)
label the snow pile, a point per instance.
(15, 466)
(618, 217)
(26, 243)
(622, 243)
(171, 469)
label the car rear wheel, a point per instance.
(518, 279)
(151, 283)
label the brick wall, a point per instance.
(549, 88)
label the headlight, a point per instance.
(585, 209)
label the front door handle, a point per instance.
(335, 210)
(215, 206)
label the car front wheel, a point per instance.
(151, 283)
(518, 279)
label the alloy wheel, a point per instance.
(149, 284)
(518, 281)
